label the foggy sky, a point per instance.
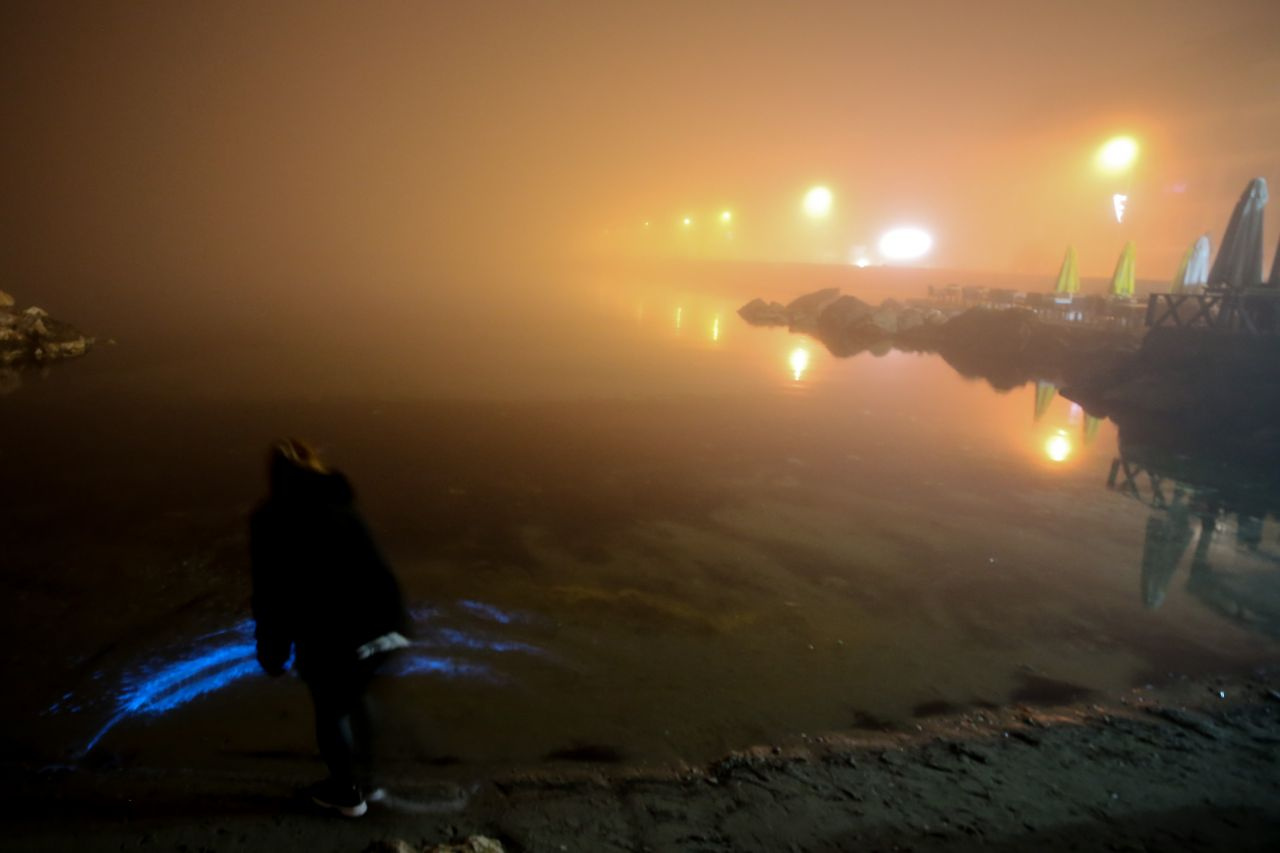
(159, 146)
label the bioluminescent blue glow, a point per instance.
(454, 638)
(488, 611)
(416, 663)
(219, 658)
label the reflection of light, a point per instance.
(799, 362)
(726, 216)
(1118, 201)
(1058, 447)
(905, 244)
(715, 329)
(679, 317)
(1117, 154)
(817, 202)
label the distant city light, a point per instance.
(646, 223)
(1058, 447)
(858, 257)
(1118, 154)
(1118, 201)
(906, 244)
(817, 202)
(799, 362)
(726, 216)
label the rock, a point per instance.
(473, 844)
(843, 314)
(394, 845)
(910, 318)
(803, 311)
(885, 318)
(757, 312)
(6, 301)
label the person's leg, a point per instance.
(361, 723)
(332, 697)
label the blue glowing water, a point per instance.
(223, 657)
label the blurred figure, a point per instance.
(323, 592)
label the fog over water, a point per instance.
(630, 521)
(488, 259)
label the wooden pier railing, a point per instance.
(1242, 313)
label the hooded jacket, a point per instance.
(320, 585)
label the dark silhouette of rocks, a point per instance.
(1007, 347)
(1203, 379)
(31, 337)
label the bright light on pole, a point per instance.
(817, 202)
(1117, 154)
(905, 244)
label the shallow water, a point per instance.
(632, 526)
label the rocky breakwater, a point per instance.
(1005, 346)
(30, 337)
(1215, 385)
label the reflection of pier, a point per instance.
(1239, 577)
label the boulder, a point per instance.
(757, 312)
(803, 311)
(885, 318)
(842, 315)
(910, 318)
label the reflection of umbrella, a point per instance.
(1091, 429)
(1239, 261)
(1166, 541)
(1068, 276)
(1194, 269)
(1122, 281)
(1044, 396)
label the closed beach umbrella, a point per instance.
(1194, 269)
(1068, 276)
(1122, 281)
(1239, 261)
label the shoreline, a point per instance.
(1191, 765)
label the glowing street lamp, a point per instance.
(726, 216)
(817, 202)
(687, 221)
(906, 244)
(1117, 154)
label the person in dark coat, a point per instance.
(323, 593)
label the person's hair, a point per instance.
(289, 457)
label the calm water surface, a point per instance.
(631, 526)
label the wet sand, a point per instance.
(1191, 766)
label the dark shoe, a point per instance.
(343, 799)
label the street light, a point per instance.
(817, 202)
(1117, 154)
